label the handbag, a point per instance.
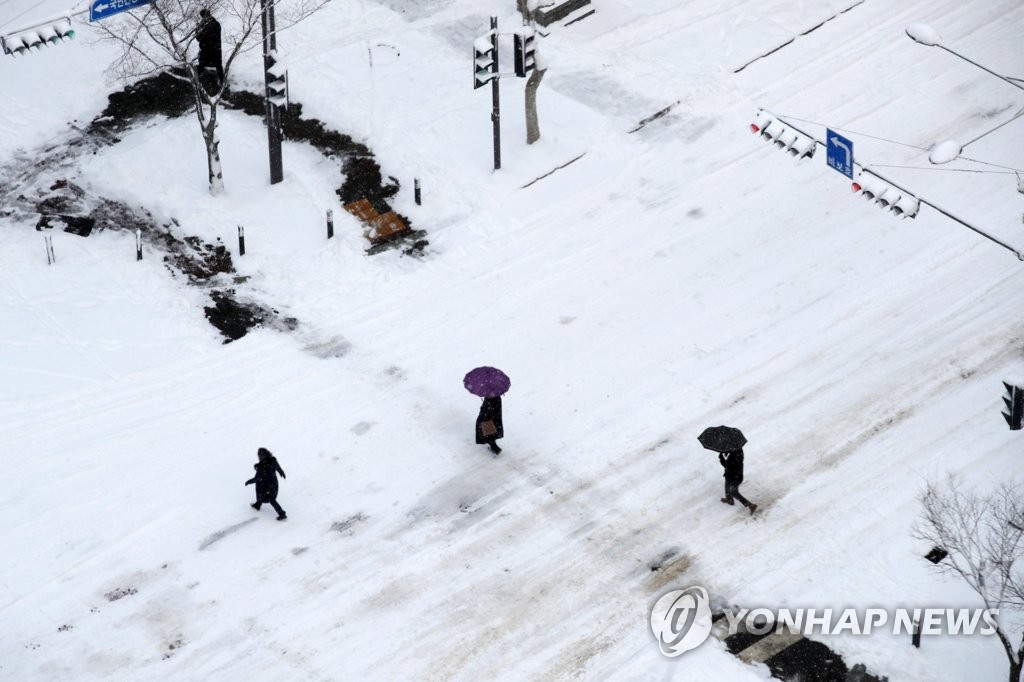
(488, 428)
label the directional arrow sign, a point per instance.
(839, 153)
(101, 9)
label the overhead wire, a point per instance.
(924, 149)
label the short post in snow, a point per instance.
(138, 244)
(330, 223)
(916, 638)
(416, 191)
(241, 240)
(50, 257)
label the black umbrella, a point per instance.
(722, 438)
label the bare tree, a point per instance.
(161, 38)
(528, 8)
(983, 536)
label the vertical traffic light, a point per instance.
(39, 36)
(485, 60)
(1014, 412)
(277, 80)
(524, 44)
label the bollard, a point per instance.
(330, 223)
(138, 244)
(916, 639)
(241, 241)
(51, 258)
(416, 191)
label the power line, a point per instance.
(947, 170)
(924, 149)
(11, 20)
(854, 132)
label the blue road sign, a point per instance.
(839, 153)
(101, 9)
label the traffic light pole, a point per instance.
(495, 106)
(273, 115)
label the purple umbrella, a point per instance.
(487, 382)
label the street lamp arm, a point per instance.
(1011, 81)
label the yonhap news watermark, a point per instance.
(682, 620)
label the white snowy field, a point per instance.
(681, 276)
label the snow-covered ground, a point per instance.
(680, 276)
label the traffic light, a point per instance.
(872, 188)
(1014, 412)
(524, 47)
(277, 80)
(485, 61)
(783, 136)
(50, 33)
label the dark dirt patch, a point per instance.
(120, 593)
(162, 94)
(234, 318)
(346, 527)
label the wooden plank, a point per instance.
(385, 227)
(362, 209)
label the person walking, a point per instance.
(732, 463)
(265, 479)
(489, 427)
(208, 37)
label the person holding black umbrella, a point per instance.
(732, 462)
(728, 442)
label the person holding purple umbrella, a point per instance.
(489, 427)
(490, 384)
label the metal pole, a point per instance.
(241, 240)
(983, 68)
(272, 115)
(495, 106)
(416, 191)
(330, 223)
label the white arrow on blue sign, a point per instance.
(101, 9)
(839, 153)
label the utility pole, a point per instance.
(495, 106)
(271, 111)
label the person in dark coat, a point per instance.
(732, 462)
(265, 479)
(208, 37)
(488, 419)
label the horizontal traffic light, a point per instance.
(890, 197)
(37, 37)
(783, 136)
